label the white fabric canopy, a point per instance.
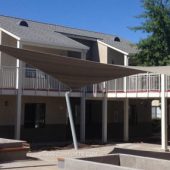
(74, 72)
(156, 69)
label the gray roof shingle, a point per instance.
(37, 34)
(55, 35)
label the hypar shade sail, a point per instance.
(73, 72)
(154, 69)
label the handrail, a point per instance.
(34, 79)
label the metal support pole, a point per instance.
(83, 117)
(164, 135)
(19, 95)
(126, 119)
(104, 118)
(71, 120)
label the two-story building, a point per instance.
(39, 100)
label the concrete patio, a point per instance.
(47, 159)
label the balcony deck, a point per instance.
(37, 83)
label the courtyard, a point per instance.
(46, 159)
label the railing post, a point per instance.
(148, 81)
(136, 83)
(125, 78)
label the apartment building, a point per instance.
(41, 107)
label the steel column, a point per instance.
(71, 120)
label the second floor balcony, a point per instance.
(36, 80)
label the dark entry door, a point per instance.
(93, 120)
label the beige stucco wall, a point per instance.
(55, 108)
(7, 60)
(102, 53)
(115, 57)
(108, 55)
(7, 110)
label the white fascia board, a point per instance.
(114, 48)
(10, 34)
(52, 46)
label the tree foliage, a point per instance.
(155, 49)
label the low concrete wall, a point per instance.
(114, 162)
(75, 164)
(145, 163)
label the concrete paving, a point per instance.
(45, 159)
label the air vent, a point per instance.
(117, 39)
(23, 23)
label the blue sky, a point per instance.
(108, 16)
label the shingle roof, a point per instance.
(37, 34)
(56, 35)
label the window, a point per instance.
(23, 23)
(30, 72)
(156, 112)
(117, 39)
(34, 116)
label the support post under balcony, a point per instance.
(164, 134)
(126, 120)
(19, 95)
(82, 116)
(83, 108)
(104, 118)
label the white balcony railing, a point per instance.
(38, 80)
(34, 79)
(7, 77)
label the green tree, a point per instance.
(154, 50)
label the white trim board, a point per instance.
(10, 34)
(114, 48)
